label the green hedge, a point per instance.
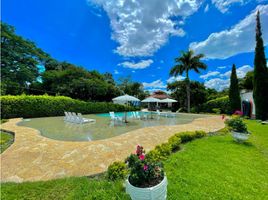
(221, 104)
(45, 106)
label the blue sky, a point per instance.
(142, 38)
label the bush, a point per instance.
(186, 136)
(236, 124)
(174, 142)
(216, 110)
(161, 152)
(200, 134)
(45, 106)
(221, 103)
(117, 170)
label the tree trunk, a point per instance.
(188, 96)
(188, 92)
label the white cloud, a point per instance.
(209, 74)
(239, 39)
(240, 72)
(139, 65)
(181, 22)
(221, 67)
(177, 78)
(217, 83)
(224, 5)
(141, 27)
(116, 71)
(223, 81)
(154, 85)
(206, 8)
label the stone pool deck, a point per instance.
(33, 157)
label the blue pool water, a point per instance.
(119, 114)
(58, 129)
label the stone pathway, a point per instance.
(33, 157)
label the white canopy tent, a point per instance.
(168, 100)
(151, 100)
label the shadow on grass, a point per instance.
(246, 143)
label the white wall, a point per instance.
(248, 96)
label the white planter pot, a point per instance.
(240, 137)
(158, 192)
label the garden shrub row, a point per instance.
(45, 106)
(218, 105)
(118, 170)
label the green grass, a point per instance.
(209, 168)
(6, 139)
(219, 168)
(69, 188)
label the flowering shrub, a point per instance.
(144, 172)
(238, 112)
(236, 124)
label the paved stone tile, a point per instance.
(33, 157)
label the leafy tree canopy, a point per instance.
(19, 60)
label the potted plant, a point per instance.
(146, 179)
(238, 129)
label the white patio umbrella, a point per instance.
(125, 99)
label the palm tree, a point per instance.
(186, 62)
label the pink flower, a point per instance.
(238, 112)
(141, 157)
(145, 167)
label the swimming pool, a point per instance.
(56, 128)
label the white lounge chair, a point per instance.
(75, 118)
(66, 116)
(158, 112)
(172, 114)
(114, 117)
(84, 120)
(143, 115)
(69, 117)
(137, 115)
(134, 115)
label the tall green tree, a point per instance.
(130, 87)
(186, 62)
(234, 94)
(260, 88)
(19, 61)
(178, 92)
(247, 81)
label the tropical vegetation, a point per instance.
(185, 63)
(25, 68)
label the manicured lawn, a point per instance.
(218, 168)
(209, 168)
(6, 140)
